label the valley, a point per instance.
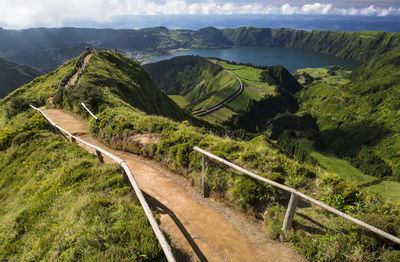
(329, 132)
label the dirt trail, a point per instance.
(204, 229)
(73, 79)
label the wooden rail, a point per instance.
(295, 195)
(87, 109)
(99, 151)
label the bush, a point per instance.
(275, 216)
(16, 106)
(370, 163)
(289, 145)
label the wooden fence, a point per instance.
(126, 172)
(295, 196)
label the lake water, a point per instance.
(292, 59)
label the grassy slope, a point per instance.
(254, 89)
(13, 76)
(209, 89)
(118, 120)
(360, 46)
(224, 85)
(179, 100)
(60, 203)
(362, 112)
(177, 139)
(204, 84)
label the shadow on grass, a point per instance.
(375, 182)
(319, 229)
(348, 141)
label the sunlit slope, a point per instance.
(205, 83)
(202, 83)
(358, 117)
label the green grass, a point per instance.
(175, 150)
(340, 77)
(180, 100)
(343, 168)
(60, 203)
(389, 190)
(254, 88)
(228, 86)
(360, 115)
(219, 115)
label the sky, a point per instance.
(20, 14)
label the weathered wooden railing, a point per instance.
(87, 109)
(294, 198)
(126, 172)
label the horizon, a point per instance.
(183, 14)
(388, 24)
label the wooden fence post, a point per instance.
(203, 175)
(100, 156)
(57, 131)
(287, 222)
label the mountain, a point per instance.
(48, 48)
(128, 103)
(13, 76)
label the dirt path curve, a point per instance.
(73, 79)
(204, 229)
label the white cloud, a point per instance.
(29, 13)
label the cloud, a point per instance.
(29, 13)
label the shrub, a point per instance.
(15, 106)
(275, 216)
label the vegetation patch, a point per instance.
(60, 203)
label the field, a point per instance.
(330, 77)
(227, 85)
(180, 100)
(219, 115)
(388, 190)
(254, 89)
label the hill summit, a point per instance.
(109, 78)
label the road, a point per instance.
(226, 101)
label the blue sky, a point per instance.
(16, 14)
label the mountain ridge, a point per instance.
(27, 46)
(13, 75)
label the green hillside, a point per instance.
(205, 83)
(108, 86)
(360, 46)
(358, 115)
(13, 76)
(60, 203)
(350, 115)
